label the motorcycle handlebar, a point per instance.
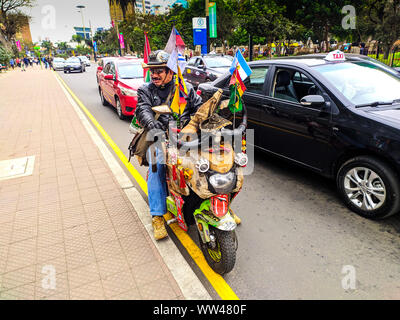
(205, 137)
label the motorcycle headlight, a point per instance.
(128, 92)
(223, 183)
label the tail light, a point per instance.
(198, 92)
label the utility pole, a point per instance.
(208, 24)
(91, 36)
(116, 24)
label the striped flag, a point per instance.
(175, 41)
(237, 88)
(179, 102)
(147, 51)
(239, 63)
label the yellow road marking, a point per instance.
(217, 281)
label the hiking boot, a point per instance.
(236, 218)
(159, 228)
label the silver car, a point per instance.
(58, 63)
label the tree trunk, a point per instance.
(386, 52)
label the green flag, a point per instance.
(235, 101)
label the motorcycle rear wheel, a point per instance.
(222, 258)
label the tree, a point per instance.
(12, 19)
(48, 45)
(124, 4)
(5, 55)
(77, 38)
(381, 20)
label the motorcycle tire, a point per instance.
(221, 259)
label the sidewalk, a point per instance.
(70, 218)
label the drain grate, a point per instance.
(16, 168)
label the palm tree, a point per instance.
(48, 45)
(124, 4)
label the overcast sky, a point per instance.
(56, 19)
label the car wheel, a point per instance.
(369, 187)
(119, 109)
(65, 71)
(103, 100)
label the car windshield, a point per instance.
(59, 60)
(83, 58)
(362, 82)
(130, 71)
(73, 60)
(220, 62)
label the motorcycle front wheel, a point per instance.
(221, 257)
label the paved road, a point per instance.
(297, 240)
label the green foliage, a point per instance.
(5, 55)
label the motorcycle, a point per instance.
(204, 175)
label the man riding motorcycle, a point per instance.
(160, 91)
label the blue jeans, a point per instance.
(157, 185)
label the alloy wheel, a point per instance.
(364, 188)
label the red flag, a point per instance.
(147, 51)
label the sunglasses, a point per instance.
(157, 70)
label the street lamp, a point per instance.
(81, 7)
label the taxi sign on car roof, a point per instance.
(336, 55)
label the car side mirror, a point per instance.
(312, 101)
(108, 77)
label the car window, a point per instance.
(199, 62)
(292, 85)
(192, 62)
(217, 62)
(255, 82)
(112, 68)
(361, 83)
(106, 69)
(130, 71)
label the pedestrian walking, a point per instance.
(12, 63)
(26, 62)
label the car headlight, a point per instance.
(223, 183)
(128, 92)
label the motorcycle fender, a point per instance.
(227, 223)
(204, 231)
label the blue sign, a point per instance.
(199, 36)
(95, 46)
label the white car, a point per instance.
(85, 60)
(58, 63)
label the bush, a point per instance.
(5, 55)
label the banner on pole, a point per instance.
(212, 12)
(121, 41)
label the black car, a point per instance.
(74, 64)
(206, 68)
(338, 118)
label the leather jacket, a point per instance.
(150, 96)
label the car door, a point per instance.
(253, 98)
(188, 73)
(106, 86)
(292, 130)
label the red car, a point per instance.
(118, 84)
